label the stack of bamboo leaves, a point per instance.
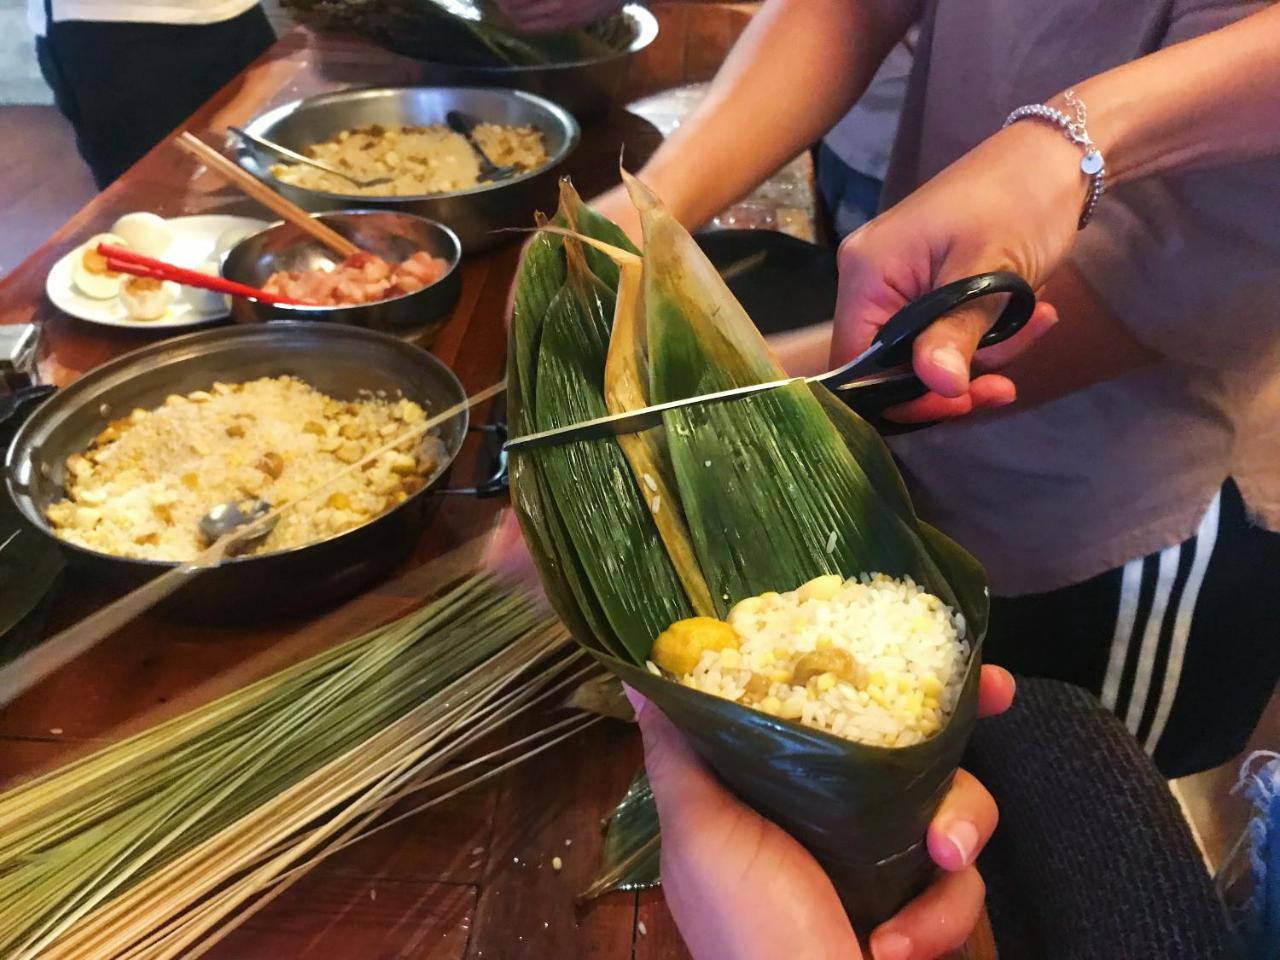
(726, 500)
(159, 845)
(466, 32)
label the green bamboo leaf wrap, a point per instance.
(776, 489)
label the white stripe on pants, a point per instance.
(1129, 626)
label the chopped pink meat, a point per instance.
(361, 278)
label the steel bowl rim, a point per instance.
(455, 260)
(562, 116)
(41, 523)
(646, 32)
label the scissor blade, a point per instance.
(633, 421)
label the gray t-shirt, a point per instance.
(864, 136)
(1190, 264)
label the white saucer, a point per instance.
(194, 242)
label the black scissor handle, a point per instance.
(903, 327)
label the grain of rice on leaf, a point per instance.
(835, 702)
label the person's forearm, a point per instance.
(1208, 101)
(798, 67)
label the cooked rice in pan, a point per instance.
(421, 160)
(141, 489)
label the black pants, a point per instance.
(126, 86)
(1183, 645)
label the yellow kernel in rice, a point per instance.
(826, 682)
(792, 708)
(930, 703)
(821, 588)
(730, 659)
(348, 452)
(930, 685)
(771, 705)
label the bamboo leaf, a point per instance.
(632, 845)
(602, 509)
(776, 488)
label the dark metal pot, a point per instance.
(586, 88)
(337, 360)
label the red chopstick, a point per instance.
(121, 260)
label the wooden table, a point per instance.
(469, 879)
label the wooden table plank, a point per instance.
(556, 807)
(331, 916)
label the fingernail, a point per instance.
(963, 835)
(890, 946)
(635, 698)
(950, 359)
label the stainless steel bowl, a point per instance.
(474, 214)
(586, 88)
(392, 236)
(340, 361)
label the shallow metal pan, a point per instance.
(337, 360)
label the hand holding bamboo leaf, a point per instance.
(726, 503)
(740, 886)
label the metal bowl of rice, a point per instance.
(477, 214)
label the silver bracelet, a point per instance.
(1091, 164)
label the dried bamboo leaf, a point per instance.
(602, 696)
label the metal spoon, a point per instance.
(226, 518)
(288, 154)
(489, 171)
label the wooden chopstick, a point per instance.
(255, 189)
(128, 261)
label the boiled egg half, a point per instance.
(145, 233)
(89, 269)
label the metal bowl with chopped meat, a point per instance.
(360, 540)
(404, 281)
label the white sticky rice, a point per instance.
(908, 659)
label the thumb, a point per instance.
(943, 353)
(684, 790)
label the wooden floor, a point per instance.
(45, 180)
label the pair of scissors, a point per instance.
(871, 381)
